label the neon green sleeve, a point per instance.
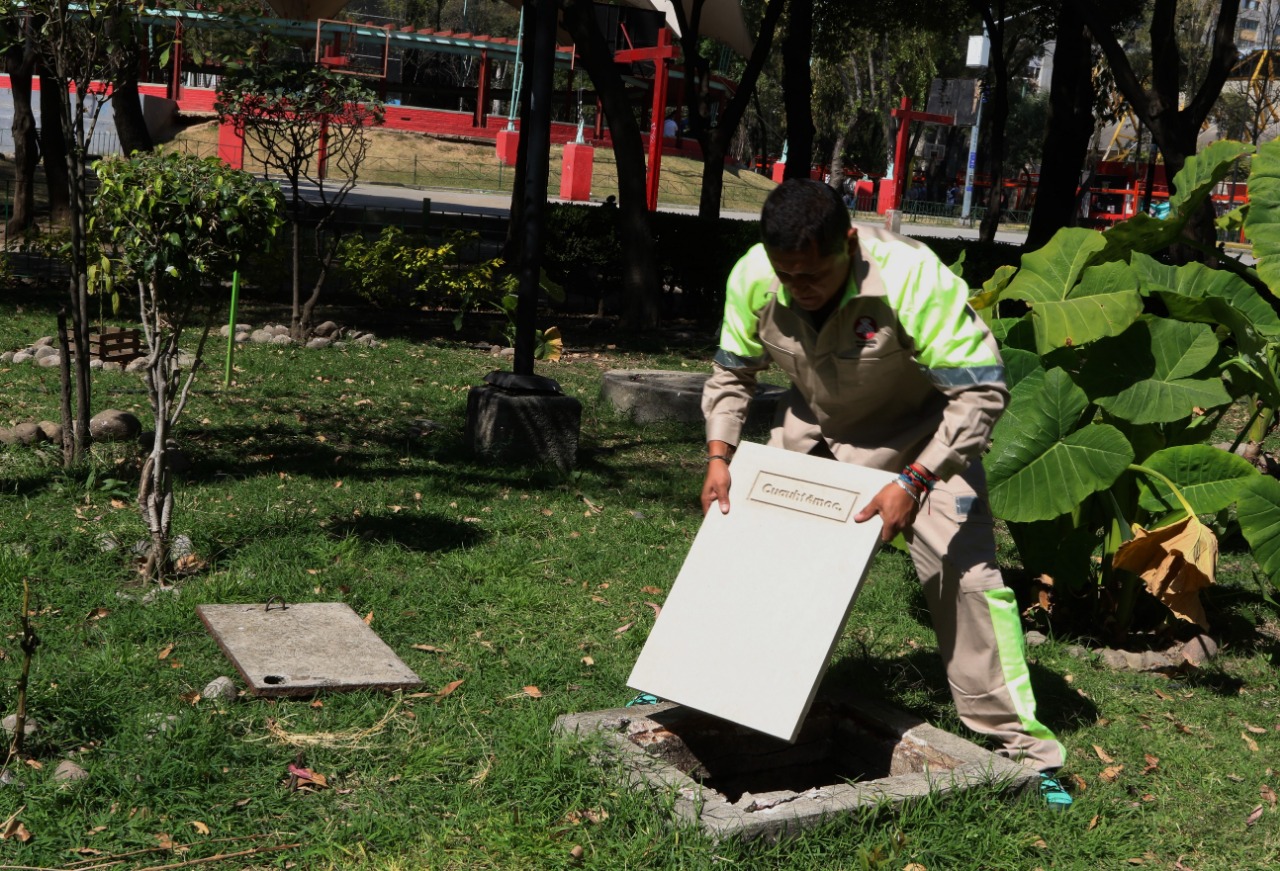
(746, 293)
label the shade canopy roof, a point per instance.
(721, 19)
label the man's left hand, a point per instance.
(896, 509)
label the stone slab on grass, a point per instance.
(297, 650)
(755, 612)
(651, 395)
(851, 757)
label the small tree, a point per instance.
(306, 124)
(177, 226)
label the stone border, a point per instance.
(776, 814)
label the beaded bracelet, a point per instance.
(717, 457)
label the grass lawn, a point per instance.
(311, 481)
(399, 157)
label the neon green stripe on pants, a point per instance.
(1007, 629)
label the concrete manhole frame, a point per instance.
(779, 813)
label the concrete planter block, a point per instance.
(515, 426)
(649, 395)
(732, 782)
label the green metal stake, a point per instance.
(231, 327)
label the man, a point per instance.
(890, 369)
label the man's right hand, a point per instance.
(716, 486)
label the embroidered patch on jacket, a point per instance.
(865, 328)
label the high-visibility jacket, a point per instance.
(902, 371)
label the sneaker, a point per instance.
(1052, 792)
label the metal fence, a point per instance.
(103, 142)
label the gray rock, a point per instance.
(44, 342)
(181, 546)
(48, 361)
(506, 352)
(281, 339)
(107, 543)
(326, 330)
(52, 431)
(319, 342)
(7, 438)
(21, 357)
(7, 357)
(220, 689)
(186, 360)
(95, 363)
(27, 433)
(261, 336)
(68, 772)
(43, 351)
(136, 365)
(1035, 639)
(112, 366)
(1079, 652)
(114, 425)
(225, 331)
(10, 723)
(279, 329)
(1199, 650)
(242, 337)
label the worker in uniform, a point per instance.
(890, 369)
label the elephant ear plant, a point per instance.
(176, 226)
(1120, 368)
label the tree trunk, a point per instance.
(53, 146)
(639, 273)
(126, 106)
(797, 88)
(1069, 129)
(19, 63)
(1174, 129)
(716, 145)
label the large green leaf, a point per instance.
(1043, 463)
(1262, 224)
(1258, 511)
(1048, 274)
(1149, 374)
(1192, 186)
(1183, 287)
(1061, 548)
(1018, 364)
(1104, 303)
(1209, 478)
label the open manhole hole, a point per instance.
(736, 782)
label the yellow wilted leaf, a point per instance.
(200, 827)
(1175, 562)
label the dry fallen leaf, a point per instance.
(622, 628)
(914, 866)
(1102, 754)
(652, 591)
(533, 692)
(448, 688)
(190, 564)
(164, 653)
(586, 660)
(1153, 762)
(1079, 782)
(307, 777)
(657, 609)
(576, 853)
(1254, 816)
(1111, 772)
(97, 614)
(429, 648)
(368, 619)
(200, 827)
(1257, 730)
(1093, 823)
(1249, 742)
(1165, 696)
(317, 704)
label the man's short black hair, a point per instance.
(804, 210)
